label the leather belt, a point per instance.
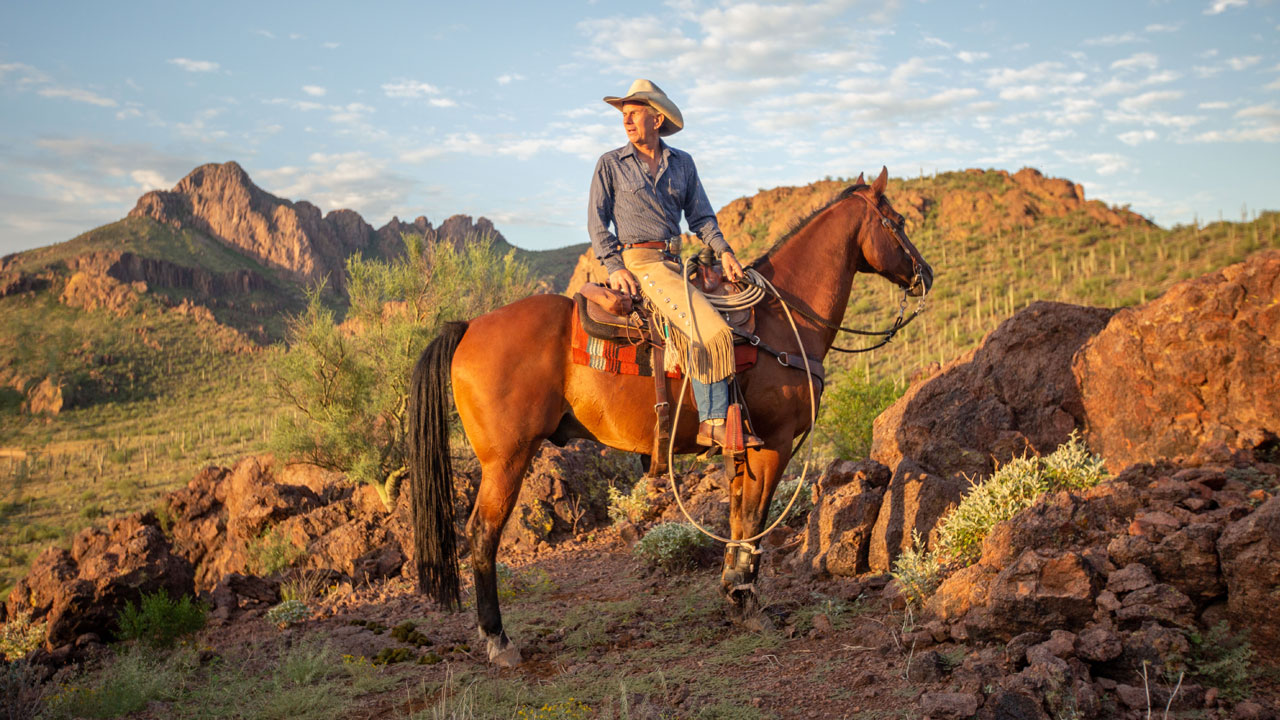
(654, 245)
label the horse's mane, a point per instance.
(798, 225)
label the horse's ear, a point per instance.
(860, 181)
(877, 187)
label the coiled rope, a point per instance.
(755, 292)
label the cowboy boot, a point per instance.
(709, 434)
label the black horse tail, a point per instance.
(431, 469)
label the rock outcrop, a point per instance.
(221, 201)
(1196, 369)
(81, 590)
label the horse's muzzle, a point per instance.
(923, 283)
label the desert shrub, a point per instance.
(159, 620)
(302, 586)
(848, 408)
(20, 636)
(287, 613)
(673, 547)
(631, 506)
(1223, 660)
(782, 496)
(20, 691)
(348, 385)
(1014, 487)
(918, 572)
(271, 552)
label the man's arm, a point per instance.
(599, 216)
(697, 211)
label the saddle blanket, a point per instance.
(623, 358)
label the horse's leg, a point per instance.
(749, 496)
(499, 488)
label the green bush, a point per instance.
(159, 620)
(1014, 487)
(288, 612)
(632, 506)
(673, 547)
(848, 408)
(271, 552)
(348, 386)
(20, 636)
(917, 571)
(1222, 660)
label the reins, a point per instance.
(758, 288)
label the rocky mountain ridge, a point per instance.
(294, 237)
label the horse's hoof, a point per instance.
(508, 658)
(502, 652)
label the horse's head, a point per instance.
(886, 250)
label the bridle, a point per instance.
(899, 235)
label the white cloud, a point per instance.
(128, 113)
(1163, 27)
(442, 102)
(1137, 137)
(201, 66)
(353, 180)
(1218, 7)
(1107, 40)
(21, 75)
(1145, 61)
(508, 78)
(266, 34)
(1102, 163)
(969, 58)
(409, 89)
(314, 90)
(1215, 105)
(1241, 63)
(1146, 100)
(77, 95)
(331, 45)
(1034, 82)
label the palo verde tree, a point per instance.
(347, 384)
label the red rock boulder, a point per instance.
(83, 590)
(1193, 369)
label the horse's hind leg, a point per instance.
(499, 489)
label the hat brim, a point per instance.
(672, 121)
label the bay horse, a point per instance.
(515, 386)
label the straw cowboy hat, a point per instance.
(644, 92)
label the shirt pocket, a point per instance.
(630, 184)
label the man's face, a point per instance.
(640, 122)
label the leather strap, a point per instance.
(653, 245)
(661, 405)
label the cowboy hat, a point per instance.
(644, 92)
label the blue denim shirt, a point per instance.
(644, 209)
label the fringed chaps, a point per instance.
(706, 345)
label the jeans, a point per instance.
(712, 399)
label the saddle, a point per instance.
(608, 314)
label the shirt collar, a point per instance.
(664, 150)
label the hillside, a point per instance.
(153, 328)
(997, 243)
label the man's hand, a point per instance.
(623, 281)
(732, 268)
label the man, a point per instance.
(641, 189)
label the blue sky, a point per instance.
(494, 108)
